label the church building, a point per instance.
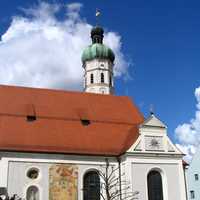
(61, 145)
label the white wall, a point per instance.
(171, 171)
(14, 167)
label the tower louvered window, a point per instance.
(91, 78)
(110, 81)
(155, 190)
(91, 186)
(102, 77)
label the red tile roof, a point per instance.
(58, 128)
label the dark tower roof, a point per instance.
(97, 35)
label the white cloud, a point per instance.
(73, 10)
(188, 134)
(39, 50)
(188, 150)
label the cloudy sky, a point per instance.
(156, 44)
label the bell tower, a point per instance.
(98, 62)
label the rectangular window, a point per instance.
(196, 177)
(192, 195)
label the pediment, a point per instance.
(154, 122)
(166, 146)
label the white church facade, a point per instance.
(55, 145)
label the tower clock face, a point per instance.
(153, 143)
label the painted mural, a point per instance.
(63, 182)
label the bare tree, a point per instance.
(4, 195)
(114, 186)
(14, 197)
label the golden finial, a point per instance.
(97, 14)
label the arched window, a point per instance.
(155, 190)
(102, 77)
(91, 78)
(91, 186)
(32, 193)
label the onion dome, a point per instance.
(97, 49)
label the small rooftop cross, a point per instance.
(151, 109)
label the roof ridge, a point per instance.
(59, 90)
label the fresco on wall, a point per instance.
(63, 182)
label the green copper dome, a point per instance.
(97, 50)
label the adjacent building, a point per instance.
(193, 177)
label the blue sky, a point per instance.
(160, 39)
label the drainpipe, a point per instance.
(185, 180)
(120, 175)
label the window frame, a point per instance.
(37, 191)
(91, 78)
(33, 169)
(192, 194)
(155, 185)
(102, 77)
(196, 177)
(88, 178)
